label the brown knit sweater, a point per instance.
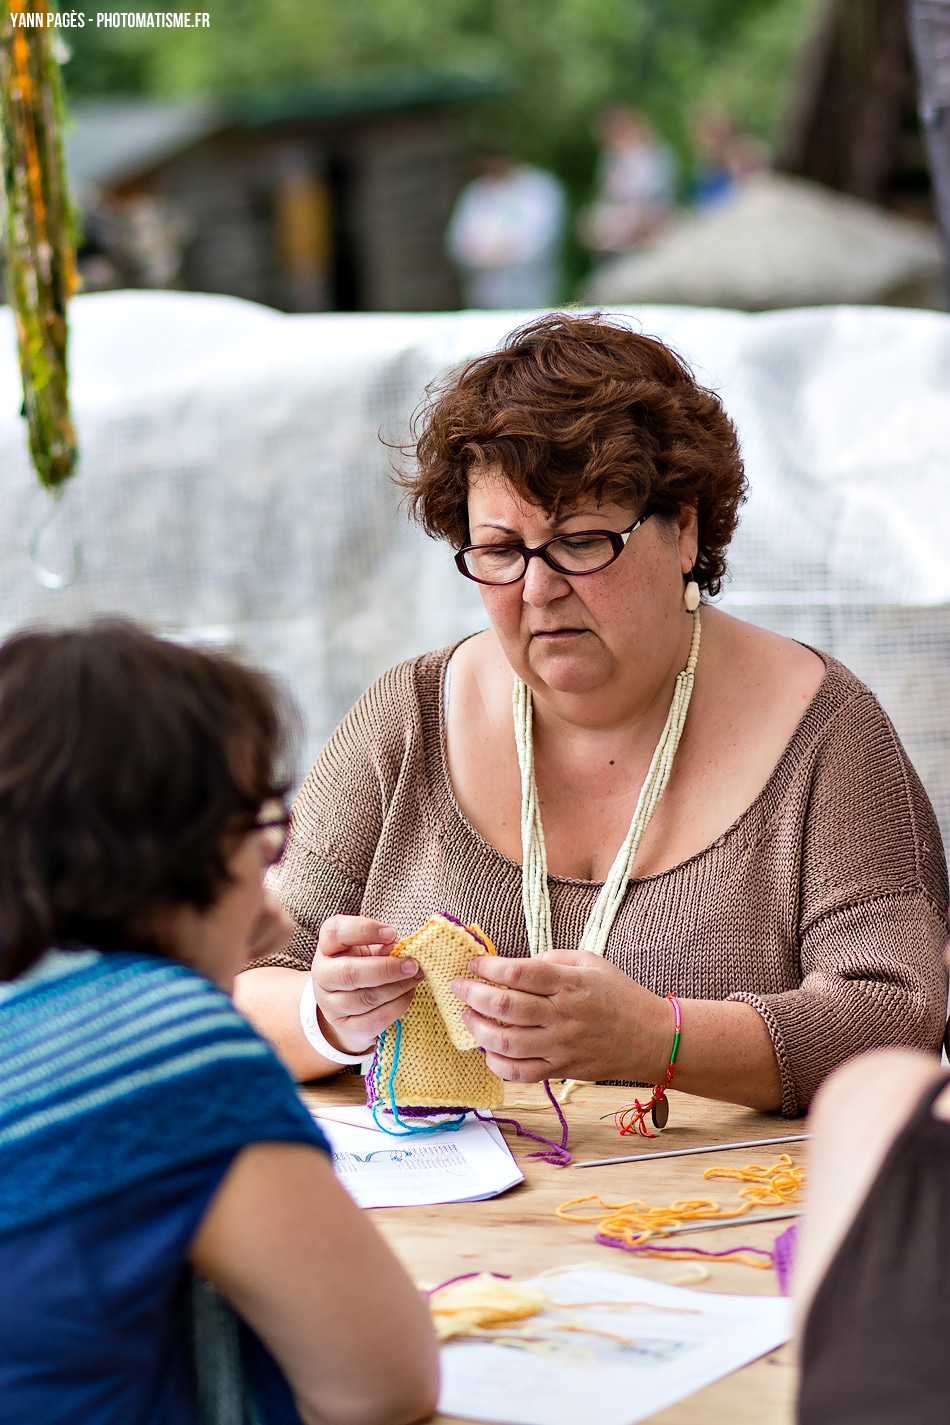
(823, 906)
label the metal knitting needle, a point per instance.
(685, 1152)
(730, 1222)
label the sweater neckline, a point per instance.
(792, 755)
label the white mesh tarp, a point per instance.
(233, 488)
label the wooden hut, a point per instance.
(307, 198)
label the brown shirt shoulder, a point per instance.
(385, 742)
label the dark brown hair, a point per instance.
(573, 406)
(126, 762)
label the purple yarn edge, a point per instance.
(783, 1249)
(462, 926)
(423, 1112)
(373, 1098)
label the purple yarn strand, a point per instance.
(562, 1147)
(557, 1153)
(467, 1276)
(643, 1247)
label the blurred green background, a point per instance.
(313, 155)
(556, 63)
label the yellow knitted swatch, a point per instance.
(440, 1065)
(471, 1304)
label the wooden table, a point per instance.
(518, 1233)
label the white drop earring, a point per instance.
(691, 596)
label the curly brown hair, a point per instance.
(573, 406)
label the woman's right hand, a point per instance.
(360, 987)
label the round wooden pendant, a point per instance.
(660, 1112)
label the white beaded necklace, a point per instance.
(534, 876)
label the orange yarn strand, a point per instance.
(632, 1224)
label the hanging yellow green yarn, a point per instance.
(39, 267)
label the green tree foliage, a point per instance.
(750, 78)
(562, 59)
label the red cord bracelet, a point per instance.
(632, 1117)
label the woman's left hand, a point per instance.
(565, 1015)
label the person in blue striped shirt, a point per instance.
(174, 1247)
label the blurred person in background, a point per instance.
(636, 184)
(145, 1129)
(506, 233)
(725, 157)
(134, 242)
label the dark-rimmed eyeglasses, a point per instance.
(274, 829)
(583, 551)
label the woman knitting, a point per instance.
(653, 809)
(145, 1129)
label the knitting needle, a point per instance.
(685, 1152)
(332, 1115)
(729, 1222)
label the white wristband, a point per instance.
(310, 1024)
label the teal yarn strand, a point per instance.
(406, 1130)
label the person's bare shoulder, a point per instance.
(478, 655)
(753, 688)
(481, 675)
(784, 670)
